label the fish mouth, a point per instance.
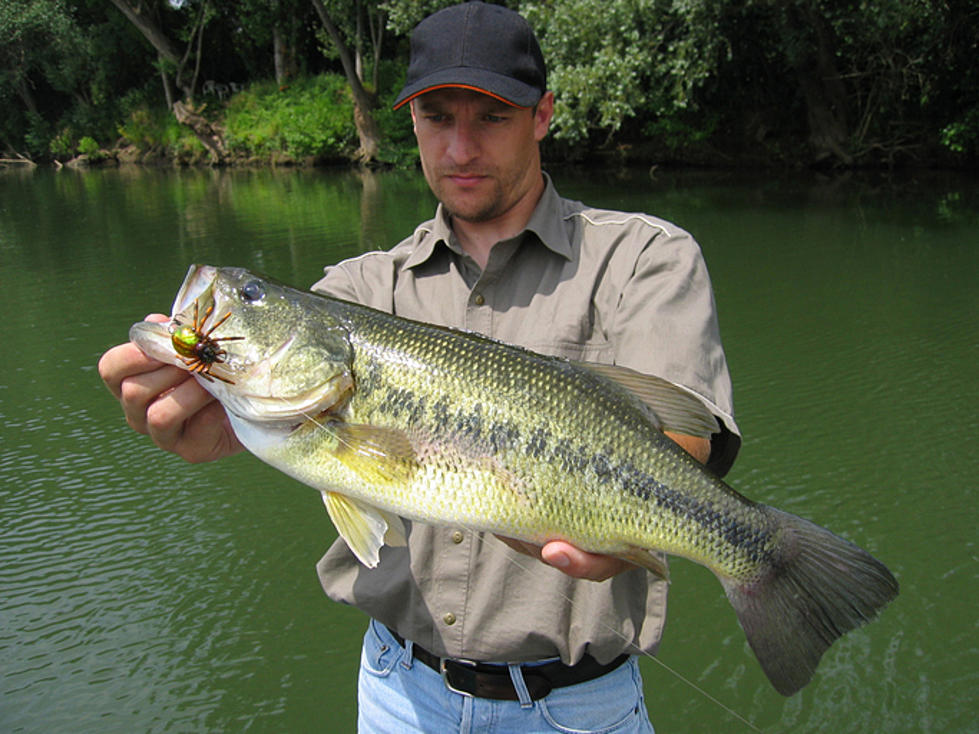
(194, 298)
(195, 305)
(198, 287)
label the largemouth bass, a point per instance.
(391, 418)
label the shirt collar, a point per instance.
(547, 223)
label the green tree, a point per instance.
(365, 98)
(59, 73)
(36, 43)
(609, 60)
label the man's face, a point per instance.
(479, 155)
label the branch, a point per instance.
(151, 32)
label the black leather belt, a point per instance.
(492, 680)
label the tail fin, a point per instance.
(820, 588)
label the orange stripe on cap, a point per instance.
(470, 87)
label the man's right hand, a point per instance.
(167, 404)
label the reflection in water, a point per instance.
(140, 593)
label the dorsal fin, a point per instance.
(675, 407)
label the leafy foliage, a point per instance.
(612, 61)
(312, 117)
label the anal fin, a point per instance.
(652, 561)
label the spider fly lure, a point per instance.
(197, 349)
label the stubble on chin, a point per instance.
(474, 209)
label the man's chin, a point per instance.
(470, 209)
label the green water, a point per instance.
(142, 594)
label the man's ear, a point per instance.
(543, 112)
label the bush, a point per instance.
(145, 128)
(62, 143)
(311, 117)
(88, 146)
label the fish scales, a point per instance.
(389, 417)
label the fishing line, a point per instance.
(731, 712)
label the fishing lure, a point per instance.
(197, 349)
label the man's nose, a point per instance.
(463, 143)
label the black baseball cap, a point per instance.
(486, 48)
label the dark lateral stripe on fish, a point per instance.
(750, 541)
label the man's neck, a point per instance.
(477, 238)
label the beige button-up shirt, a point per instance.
(587, 284)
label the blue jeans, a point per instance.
(399, 695)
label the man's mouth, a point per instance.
(465, 178)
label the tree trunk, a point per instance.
(364, 101)
(24, 92)
(167, 87)
(278, 56)
(369, 134)
(211, 137)
(158, 39)
(283, 56)
(151, 32)
(822, 88)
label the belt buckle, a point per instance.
(444, 670)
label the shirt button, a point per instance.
(457, 537)
(479, 300)
(449, 618)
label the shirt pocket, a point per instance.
(600, 353)
(564, 333)
(564, 322)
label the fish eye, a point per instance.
(252, 292)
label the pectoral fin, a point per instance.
(364, 528)
(379, 455)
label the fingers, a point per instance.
(124, 360)
(571, 560)
(139, 392)
(528, 549)
(165, 400)
(171, 407)
(121, 362)
(204, 436)
(581, 564)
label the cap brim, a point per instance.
(504, 88)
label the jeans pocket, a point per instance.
(381, 651)
(612, 704)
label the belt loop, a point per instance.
(409, 657)
(520, 686)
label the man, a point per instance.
(466, 634)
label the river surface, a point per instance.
(142, 594)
